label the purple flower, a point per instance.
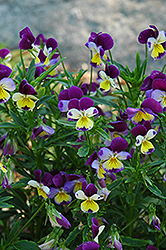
(149, 109)
(9, 148)
(5, 55)
(90, 196)
(115, 244)
(5, 183)
(74, 182)
(155, 40)
(88, 245)
(27, 39)
(58, 191)
(153, 221)
(26, 97)
(143, 135)
(68, 94)
(106, 78)
(58, 221)
(156, 77)
(111, 157)
(81, 110)
(43, 131)
(98, 43)
(96, 229)
(41, 183)
(85, 88)
(150, 247)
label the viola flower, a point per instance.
(74, 182)
(26, 97)
(154, 221)
(3, 168)
(27, 39)
(159, 96)
(56, 221)
(147, 112)
(41, 184)
(81, 110)
(150, 247)
(5, 83)
(99, 43)
(115, 243)
(5, 56)
(155, 40)
(103, 191)
(111, 157)
(96, 164)
(142, 138)
(153, 81)
(59, 192)
(43, 131)
(90, 196)
(96, 229)
(106, 78)
(88, 245)
(5, 183)
(68, 94)
(85, 88)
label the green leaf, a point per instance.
(103, 133)
(105, 100)
(9, 125)
(26, 245)
(155, 190)
(17, 119)
(83, 151)
(13, 231)
(43, 99)
(115, 184)
(72, 235)
(133, 242)
(31, 71)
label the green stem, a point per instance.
(111, 58)
(26, 224)
(91, 73)
(146, 58)
(63, 65)
(23, 65)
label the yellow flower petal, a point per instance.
(41, 193)
(146, 147)
(105, 85)
(89, 206)
(113, 163)
(78, 186)
(4, 95)
(62, 196)
(142, 116)
(26, 103)
(101, 172)
(158, 48)
(84, 123)
(96, 59)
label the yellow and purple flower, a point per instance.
(42, 184)
(90, 196)
(5, 83)
(143, 135)
(26, 97)
(81, 110)
(59, 193)
(155, 79)
(74, 183)
(106, 78)
(5, 56)
(68, 94)
(111, 157)
(147, 112)
(99, 43)
(155, 40)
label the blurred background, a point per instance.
(70, 22)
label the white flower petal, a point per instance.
(81, 195)
(74, 114)
(92, 46)
(103, 75)
(33, 183)
(8, 84)
(91, 112)
(151, 42)
(150, 134)
(161, 37)
(96, 197)
(139, 140)
(17, 96)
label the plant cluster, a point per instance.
(82, 162)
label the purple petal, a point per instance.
(89, 245)
(26, 88)
(90, 190)
(42, 56)
(27, 38)
(119, 126)
(147, 84)
(47, 179)
(53, 192)
(40, 38)
(95, 227)
(159, 84)
(51, 42)
(93, 157)
(59, 180)
(152, 104)
(144, 35)
(150, 247)
(37, 174)
(131, 112)
(64, 95)
(139, 130)
(85, 103)
(74, 103)
(4, 52)
(63, 221)
(4, 71)
(157, 74)
(118, 144)
(112, 71)
(39, 70)
(2, 140)
(105, 40)
(75, 92)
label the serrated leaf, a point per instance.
(83, 151)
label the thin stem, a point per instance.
(91, 73)
(26, 224)
(111, 58)
(146, 58)
(23, 65)
(63, 65)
